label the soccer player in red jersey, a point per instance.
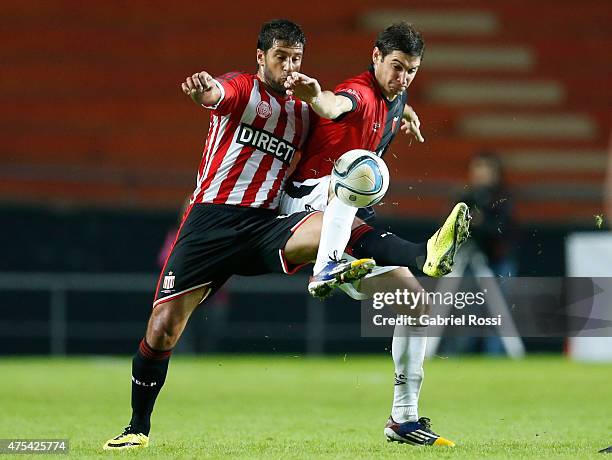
(366, 112)
(363, 112)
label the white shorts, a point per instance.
(312, 195)
(315, 196)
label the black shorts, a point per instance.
(216, 241)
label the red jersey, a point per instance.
(372, 124)
(252, 138)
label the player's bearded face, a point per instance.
(277, 63)
(395, 72)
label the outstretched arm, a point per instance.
(411, 123)
(325, 103)
(202, 89)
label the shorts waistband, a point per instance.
(235, 208)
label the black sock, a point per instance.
(149, 369)
(387, 249)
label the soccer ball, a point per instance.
(360, 178)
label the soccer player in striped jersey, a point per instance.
(366, 112)
(231, 225)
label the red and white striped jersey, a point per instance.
(252, 138)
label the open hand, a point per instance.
(302, 86)
(411, 124)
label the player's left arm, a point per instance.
(411, 123)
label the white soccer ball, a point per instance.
(360, 178)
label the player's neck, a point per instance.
(390, 97)
(269, 88)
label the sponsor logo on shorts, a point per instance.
(266, 142)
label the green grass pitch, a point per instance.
(289, 407)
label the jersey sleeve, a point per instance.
(235, 87)
(355, 93)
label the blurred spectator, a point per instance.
(493, 227)
(493, 232)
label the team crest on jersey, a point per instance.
(394, 124)
(264, 109)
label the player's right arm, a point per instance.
(331, 106)
(202, 89)
(325, 103)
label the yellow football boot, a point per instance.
(127, 440)
(443, 245)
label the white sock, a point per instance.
(408, 350)
(335, 233)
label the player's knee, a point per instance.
(164, 328)
(168, 319)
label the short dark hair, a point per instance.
(402, 37)
(281, 30)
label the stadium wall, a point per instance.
(66, 241)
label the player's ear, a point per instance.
(376, 55)
(261, 57)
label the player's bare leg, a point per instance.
(302, 245)
(150, 365)
(408, 351)
(168, 319)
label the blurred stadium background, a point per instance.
(100, 148)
